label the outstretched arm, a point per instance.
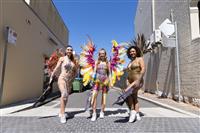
(56, 68)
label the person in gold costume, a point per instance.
(136, 71)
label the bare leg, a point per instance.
(94, 103)
(63, 99)
(136, 105)
(135, 100)
(103, 101)
(63, 102)
(129, 102)
(94, 100)
(132, 111)
(64, 96)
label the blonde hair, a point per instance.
(106, 59)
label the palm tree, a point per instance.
(140, 42)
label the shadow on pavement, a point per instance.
(70, 115)
(125, 119)
(51, 98)
(107, 113)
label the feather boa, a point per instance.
(52, 62)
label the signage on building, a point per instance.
(167, 28)
(11, 36)
(169, 42)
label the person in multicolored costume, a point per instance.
(102, 72)
(101, 82)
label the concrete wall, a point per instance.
(143, 18)
(1, 47)
(191, 84)
(161, 65)
(24, 66)
(49, 14)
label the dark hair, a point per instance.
(68, 46)
(138, 52)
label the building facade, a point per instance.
(161, 74)
(40, 30)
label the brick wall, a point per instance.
(161, 65)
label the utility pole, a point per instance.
(177, 52)
(4, 64)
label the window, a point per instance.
(194, 21)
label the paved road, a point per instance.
(44, 119)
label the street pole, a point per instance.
(177, 53)
(3, 66)
(177, 59)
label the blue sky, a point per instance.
(102, 20)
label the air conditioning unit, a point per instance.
(157, 36)
(152, 38)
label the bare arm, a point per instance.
(110, 75)
(75, 71)
(142, 65)
(57, 66)
(95, 69)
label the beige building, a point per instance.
(40, 30)
(161, 75)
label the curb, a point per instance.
(169, 107)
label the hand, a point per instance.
(110, 84)
(133, 85)
(136, 83)
(123, 90)
(91, 83)
(128, 88)
(51, 78)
